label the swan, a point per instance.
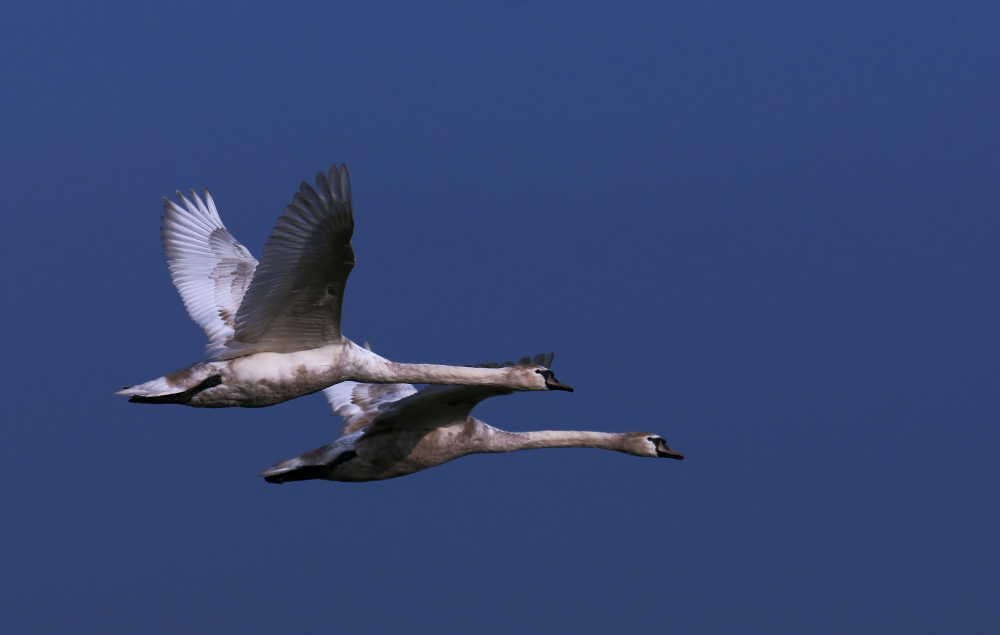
(392, 430)
(273, 326)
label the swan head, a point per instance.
(534, 377)
(551, 383)
(532, 374)
(649, 445)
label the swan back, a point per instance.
(359, 404)
(377, 407)
(434, 407)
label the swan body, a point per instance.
(274, 326)
(392, 430)
(265, 379)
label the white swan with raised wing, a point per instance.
(274, 326)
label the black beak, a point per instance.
(552, 383)
(665, 452)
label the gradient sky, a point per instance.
(764, 230)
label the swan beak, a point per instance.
(554, 384)
(665, 452)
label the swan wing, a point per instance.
(359, 404)
(209, 267)
(294, 300)
(434, 407)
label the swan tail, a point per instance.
(177, 387)
(309, 466)
(178, 397)
(281, 474)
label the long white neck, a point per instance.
(367, 367)
(434, 374)
(502, 441)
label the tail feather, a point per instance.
(307, 467)
(177, 387)
(304, 473)
(177, 397)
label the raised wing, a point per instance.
(207, 265)
(295, 298)
(359, 404)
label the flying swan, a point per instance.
(393, 430)
(274, 326)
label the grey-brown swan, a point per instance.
(393, 430)
(274, 326)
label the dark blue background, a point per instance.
(767, 231)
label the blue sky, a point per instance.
(766, 231)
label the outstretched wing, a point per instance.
(207, 265)
(295, 298)
(359, 404)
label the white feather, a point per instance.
(209, 267)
